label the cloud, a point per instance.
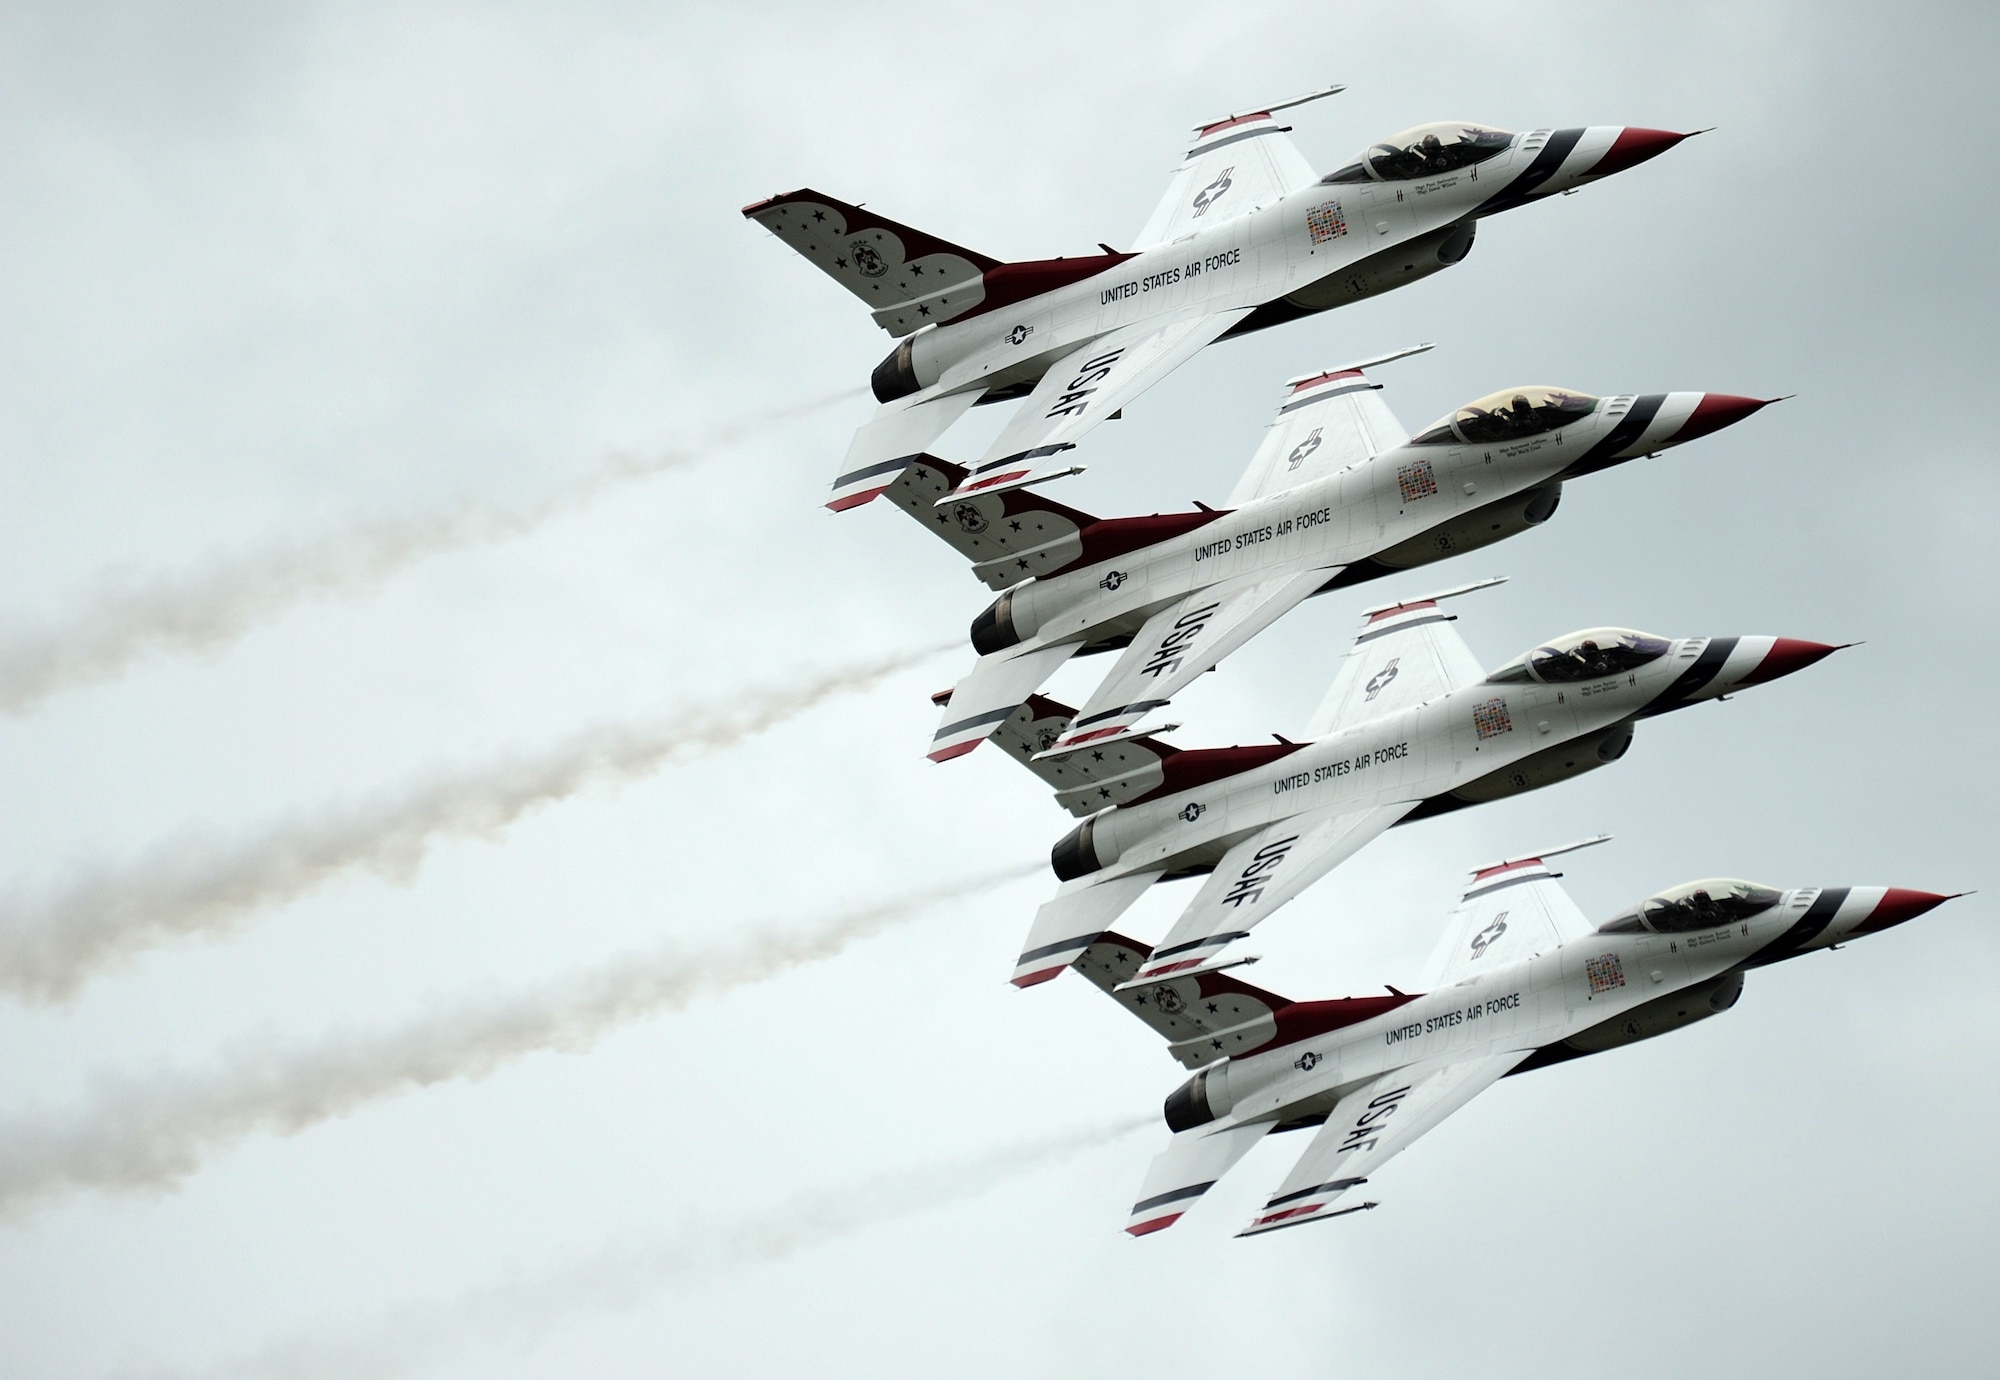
(110, 911)
(147, 1133)
(204, 609)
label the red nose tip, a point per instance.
(1788, 654)
(1633, 147)
(1716, 411)
(1898, 905)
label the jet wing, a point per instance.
(1086, 387)
(1368, 1127)
(1188, 1168)
(1235, 165)
(1181, 642)
(1071, 920)
(1512, 911)
(1404, 654)
(1260, 874)
(1327, 422)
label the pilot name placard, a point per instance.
(1167, 277)
(1479, 1010)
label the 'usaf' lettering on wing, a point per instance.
(1266, 860)
(1076, 396)
(1186, 629)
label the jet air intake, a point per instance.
(1497, 521)
(1389, 268)
(1656, 1017)
(1200, 1100)
(1544, 768)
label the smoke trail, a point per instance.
(50, 946)
(202, 610)
(521, 1310)
(148, 1133)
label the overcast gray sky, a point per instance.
(275, 276)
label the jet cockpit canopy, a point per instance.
(1426, 151)
(1692, 906)
(1512, 414)
(1589, 655)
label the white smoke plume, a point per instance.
(130, 616)
(147, 1133)
(50, 945)
(519, 1310)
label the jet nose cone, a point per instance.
(1897, 905)
(1716, 411)
(1634, 146)
(1789, 654)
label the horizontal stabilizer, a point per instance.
(1186, 1169)
(888, 443)
(1087, 783)
(990, 693)
(1202, 1015)
(1071, 921)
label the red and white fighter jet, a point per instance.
(1247, 236)
(1520, 980)
(1337, 494)
(1412, 726)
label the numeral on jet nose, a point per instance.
(1076, 397)
(1186, 629)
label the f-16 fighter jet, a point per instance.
(1247, 236)
(1520, 981)
(1411, 727)
(1338, 493)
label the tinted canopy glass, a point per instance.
(1426, 151)
(1704, 905)
(1509, 415)
(1589, 655)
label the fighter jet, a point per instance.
(1247, 236)
(1411, 727)
(1338, 493)
(1520, 981)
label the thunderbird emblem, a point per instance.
(969, 519)
(871, 264)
